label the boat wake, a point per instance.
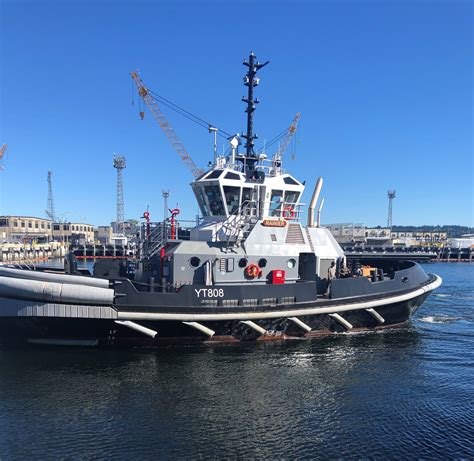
(438, 319)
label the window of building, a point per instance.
(42, 225)
(49, 226)
(66, 227)
(55, 227)
(29, 225)
(36, 225)
(3, 222)
(15, 223)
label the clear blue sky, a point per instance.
(384, 88)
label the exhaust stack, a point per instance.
(319, 213)
(314, 200)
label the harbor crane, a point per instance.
(2, 153)
(152, 104)
(289, 135)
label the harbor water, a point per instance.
(404, 393)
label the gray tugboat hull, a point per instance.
(34, 322)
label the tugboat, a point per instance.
(249, 271)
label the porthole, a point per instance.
(291, 263)
(243, 262)
(194, 261)
(262, 262)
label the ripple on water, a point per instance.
(403, 393)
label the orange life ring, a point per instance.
(252, 271)
(288, 213)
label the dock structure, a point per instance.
(451, 255)
(13, 252)
(102, 251)
(419, 254)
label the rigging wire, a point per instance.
(274, 140)
(204, 124)
(190, 116)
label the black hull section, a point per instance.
(106, 332)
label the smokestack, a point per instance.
(319, 213)
(314, 200)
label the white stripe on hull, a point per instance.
(281, 313)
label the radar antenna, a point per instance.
(250, 81)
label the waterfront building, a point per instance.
(359, 233)
(22, 229)
(104, 234)
(73, 232)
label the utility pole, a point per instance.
(391, 196)
(119, 164)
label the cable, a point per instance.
(190, 116)
(274, 140)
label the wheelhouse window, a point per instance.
(231, 175)
(247, 195)
(291, 197)
(214, 198)
(290, 180)
(210, 200)
(276, 202)
(232, 197)
(215, 174)
(201, 200)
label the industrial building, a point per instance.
(348, 233)
(25, 228)
(29, 228)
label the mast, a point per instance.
(250, 81)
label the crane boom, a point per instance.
(150, 101)
(290, 133)
(2, 150)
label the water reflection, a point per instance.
(396, 394)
